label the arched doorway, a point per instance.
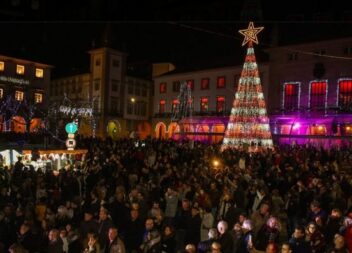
(144, 130)
(202, 129)
(113, 129)
(36, 125)
(18, 124)
(172, 129)
(217, 129)
(160, 130)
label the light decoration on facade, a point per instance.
(74, 111)
(71, 129)
(338, 89)
(299, 93)
(326, 92)
(249, 124)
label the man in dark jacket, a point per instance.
(26, 238)
(298, 243)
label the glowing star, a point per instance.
(250, 34)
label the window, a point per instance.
(38, 98)
(162, 106)
(39, 73)
(175, 102)
(236, 80)
(345, 94)
(190, 83)
(318, 92)
(20, 69)
(97, 62)
(96, 84)
(204, 104)
(1, 93)
(2, 66)
(115, 85)
(162, 87)
(220, 104)
(115, 63)
(291, 96)
(204, 85)
(221, 82)
(176, 86)
(19, 95)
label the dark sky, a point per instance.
(193, 34)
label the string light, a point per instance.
(248, 123)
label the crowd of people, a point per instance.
(162, 196)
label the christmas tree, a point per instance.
(248, 125)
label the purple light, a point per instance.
(296, 126)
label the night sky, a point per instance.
(192, 34)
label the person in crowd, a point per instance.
(207, 223)
(286, 247)
(168, 241)
(247, 243)
(339, 245)
(27, 239)
(269, 233)
(193, 228)
(315, 238)
(190, 248)
(115, 244)
(168, 179)
(151, 238)
(90, 244)
(271, 248)
(55, 242)
(205, 245)
(298, 242)
(224, 238)
(134, 231)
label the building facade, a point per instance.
(307, 88)
(120, 102)
(23, 94)
(212, 91)
(311, 98)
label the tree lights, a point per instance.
(249, 123)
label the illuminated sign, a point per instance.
(14, 80)
(76, 111)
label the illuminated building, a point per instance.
(307, 89)
(25, 81)
(121, 102)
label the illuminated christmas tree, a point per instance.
(248, 125)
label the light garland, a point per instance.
(326, 92)
(299, 94)
(248, 123)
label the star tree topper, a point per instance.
(250, 34)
